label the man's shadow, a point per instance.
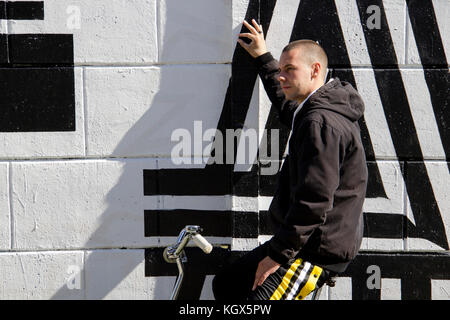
(105, 264)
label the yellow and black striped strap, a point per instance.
(298, 282)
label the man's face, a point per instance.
(295, 75)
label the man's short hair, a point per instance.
(312, 50)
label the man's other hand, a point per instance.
(257, 46)
(265, 268)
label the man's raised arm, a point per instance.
(268, 70)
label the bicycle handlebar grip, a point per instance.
(202, 243)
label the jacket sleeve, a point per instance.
(268, 70)
(317, 166)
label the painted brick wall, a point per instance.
(93, 91)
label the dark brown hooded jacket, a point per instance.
(317, 208)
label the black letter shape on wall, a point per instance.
(36, 75)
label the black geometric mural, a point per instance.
(36, 75)
(324, 26)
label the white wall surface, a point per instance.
(142, 69)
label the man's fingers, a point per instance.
(258, 27)
(259, 281)
(262, 279)
(242, 43)
(258, 276)
(247, 35)
(249, 27)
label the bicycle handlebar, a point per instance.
(172, 253)
(202, 243)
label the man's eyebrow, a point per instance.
(286, 66)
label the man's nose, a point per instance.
(281, 78)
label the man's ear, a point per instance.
(315, 70)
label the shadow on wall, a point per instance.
(121, 226)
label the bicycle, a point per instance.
(175, 254)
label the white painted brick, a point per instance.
(195, 31)
(391, 289)
(134, 111)
(78, 204)
(5, 226)
(112, 32)
(440, 289)
(40, 275)
(395, 14)
(120, 274)
(3, 26)
(342, 290)
(49, 144)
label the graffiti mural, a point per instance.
(400, 131)
(91, 92)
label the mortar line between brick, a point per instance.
(11, 214)
(85, 120)
(405, 207)
(84, 275)
(158, 36)
(406, 33)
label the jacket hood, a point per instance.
(340, 97)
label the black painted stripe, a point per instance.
(265, 226)
(426, 32)
(376, 225)
(208, 181)
(401, 124)
(4, 49)
(22, 10)
(268, 183)
(168, 223)
(37, 99)
(433, 59)
(41, 49)
(385, 225)
(375, 187)
(212, 181)
(429, 224)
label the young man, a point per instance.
(317, 208)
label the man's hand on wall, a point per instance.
(257, 46)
